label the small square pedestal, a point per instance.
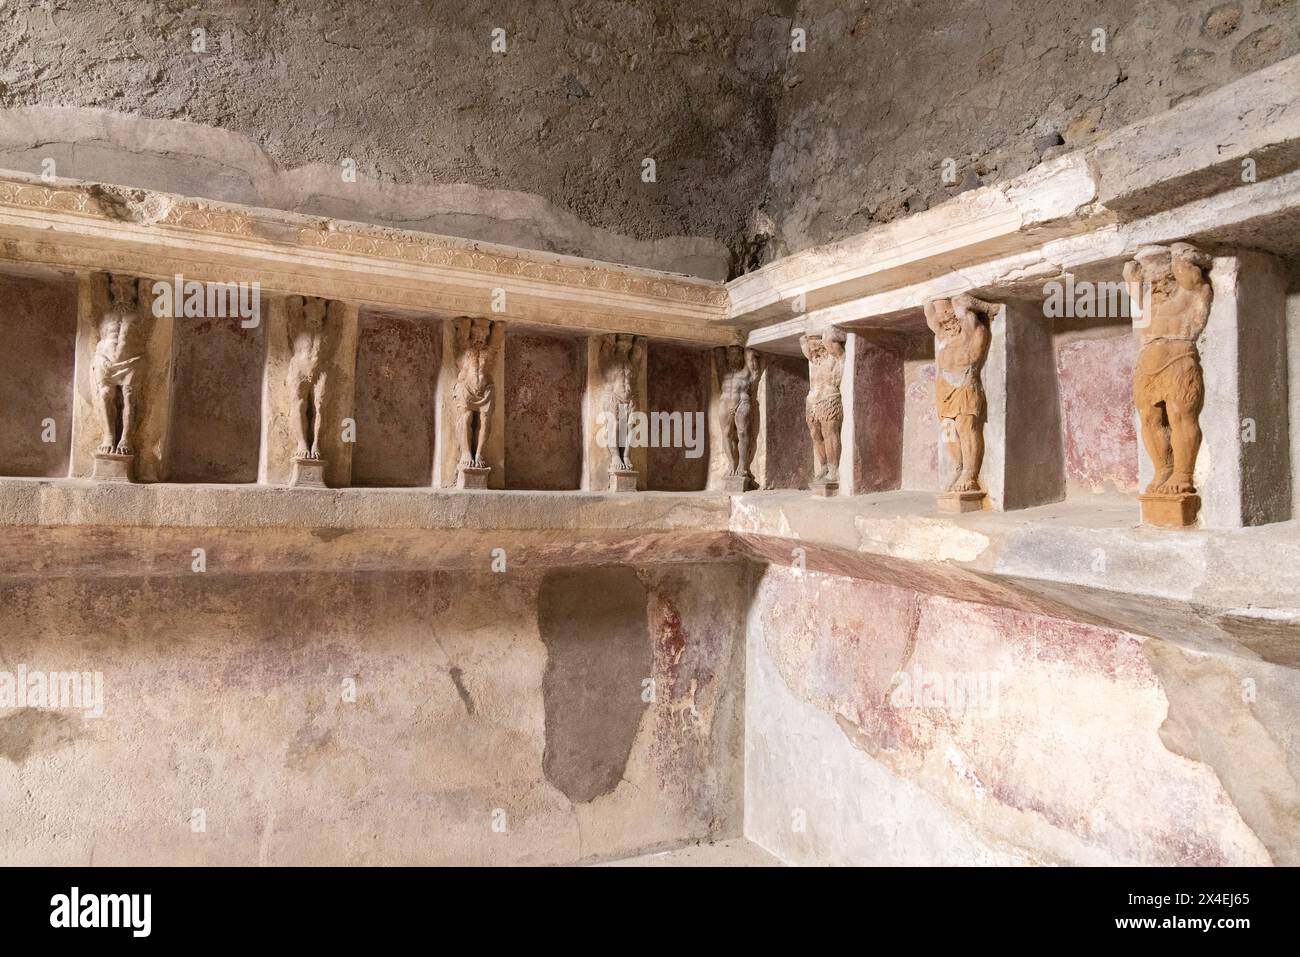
(467, 476)
(308, 473)
(623, 481)
(1170, 510)
(735, 484)
(824, 488)
(111, 467)
(957, 502)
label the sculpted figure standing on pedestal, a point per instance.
(824, 409)
(477, 342)
(620, 357)
(119, 362)
(309, 328)
(961, 326)
(737, 372)
(1170, 297)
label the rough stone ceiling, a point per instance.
(414, 91)
(748, 137)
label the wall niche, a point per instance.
(38, 325)
(398, 359)
(216, 420)
(545, 379)
(677, 381)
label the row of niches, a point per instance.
(1020, 409)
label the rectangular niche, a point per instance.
(216, 420)
(878, 411)
(788, 444)
(677, 381)
(38, 325)
(920, 466)
(1094, 367)
(545, 379)
(398, 360)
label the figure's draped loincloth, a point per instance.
(1169, 371)
(826, 408)
(120, 372)
(471, 400)
(963, 397)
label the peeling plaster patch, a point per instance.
(1212, 721)
(29, 731)
(920, 540)
(593, 623)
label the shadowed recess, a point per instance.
(593, 622)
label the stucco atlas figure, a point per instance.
(824, 407)
(311, 322)
(477, 342)
(619, 358)
(737, 373)
(1171, 298)
(118, 367)
(961, 327)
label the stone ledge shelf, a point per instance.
(1084, 559)
(72, 225)
(1087, 559)
(1173, 176)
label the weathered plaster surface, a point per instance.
(788, 446)
(1077, 754)
(216, 414)
(228, 695)
(544, 382)
(677, 380)
(1096, 381)
(38, 323)
(884, 96)
(398, 359)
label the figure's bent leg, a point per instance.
(949, 433)
(317, 416)
(484, 421)
(464, 421)
(1185, 441)
(1155, 436)
(106, 406)
(831, 436)
(970, 436)
(125, 443)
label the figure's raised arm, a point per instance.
(460, 332)
(932, 313)
(805, 344)
(719, 362)
(756, 362)
(1133, 287)
(834, 342)
(293, 313)
(496, 336)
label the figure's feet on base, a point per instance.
(477, 464)
(302, 452)
(964, 483)
(1159, 483)
(1179, 485)
(108, 448)
(124, 449)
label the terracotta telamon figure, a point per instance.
(737, 372)
(824, 410)
(620, 357)
(1171, 299)
(961, 326)
(309, 328)
(118, 363)
(477, 343)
